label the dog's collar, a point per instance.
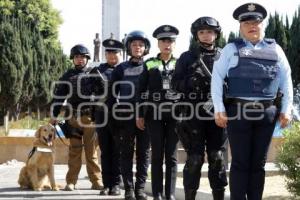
(43, 149)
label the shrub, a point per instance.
(288, 158)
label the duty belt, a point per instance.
(251, 103)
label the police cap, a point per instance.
(113, 45)
(166, 32)
(250, 11)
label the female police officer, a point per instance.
(78, 92)
(156, 79)
(256, 68)
(192, 78)
(110, 152)
(124, 83)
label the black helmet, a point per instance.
(137, 35)
(80, 49)
(204, 23)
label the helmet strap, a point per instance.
(80, 66)
(136, 59)
(206, 45)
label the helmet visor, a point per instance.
(209, 21)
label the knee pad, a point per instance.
(216, 160)
(194, 163)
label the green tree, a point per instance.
(221, 42)
(38, 13)
(12, 69)
(231, 36)
(276, 29)
(31, 56)
(293, 53)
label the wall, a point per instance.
(19, 147)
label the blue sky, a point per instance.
(82, 17)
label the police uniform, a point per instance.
(80, 122)
(155, 80)
(110, 152)
(122, 95)
(199, 133)
(254, 73)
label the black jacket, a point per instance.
(184, 73)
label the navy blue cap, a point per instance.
(166, 32)
(112, 45)
(250, 11)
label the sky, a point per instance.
(82, 18)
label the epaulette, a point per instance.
(150, 59)
(269, 40)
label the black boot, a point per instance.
(129, 195)
(115, 190)
(140, 194)
(105, 191)
(157, 197)
(218, 194)
(170, 197)
(190, 194)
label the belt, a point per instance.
(252, 103)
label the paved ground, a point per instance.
(9, 188)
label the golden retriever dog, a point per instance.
(38, 173)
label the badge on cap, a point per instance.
(112, 45)
(251, 7)
(250, 11)
(167, 28)
(111, 42)
(166, 31)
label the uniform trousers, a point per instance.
(250, 133)
(110, 151)
(133, 140)
(89, 144)
(164, 146)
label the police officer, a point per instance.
(199, 133)
(110, 152)
(124, 84)
(156, 79)
(76, 87)
(256, 68)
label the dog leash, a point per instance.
(93, 138)
(59, 135)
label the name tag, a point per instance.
(166, 84)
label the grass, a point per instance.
(26, 123)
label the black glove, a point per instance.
(197, 82)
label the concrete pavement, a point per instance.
(9, 188)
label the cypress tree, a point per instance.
(293, 54)
(276, 29)
(12, 69)
(221, 42)
(231, 37)
(28, 32)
